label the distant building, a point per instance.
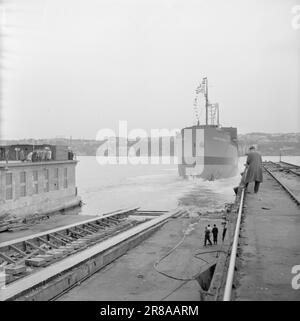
(41, 186)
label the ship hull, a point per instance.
(209, 152)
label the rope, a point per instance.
(183, 280)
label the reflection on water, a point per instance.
(157, 187)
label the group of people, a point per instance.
(214, 231)
(253, 173)
(37, 155)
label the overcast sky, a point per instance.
(72, 67)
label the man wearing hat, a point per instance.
(254, 169)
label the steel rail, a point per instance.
(231, 268)
(288, 170)
(295, 173)
(294, 197)
(281, 164)
(290, 164)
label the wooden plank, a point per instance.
(58, 239)
(47, 242)
(35, 246)
(18, 250)
(151, 211)
(64, 237)
(104, 223)
(6, 258)
(75, 232)
(91, 228)
(80, 228)
(109, 220)
(36, 262)
(15, 269)
(28, 256)
(96, 226)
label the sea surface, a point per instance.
(105, 188)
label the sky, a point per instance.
(74, 67)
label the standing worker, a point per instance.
(48, 153)
(215, 232)
(207, 235)
(254, 169)
(22, 156)
(224, 230)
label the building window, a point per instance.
(66, 177)
(8, 186)
(56, 176)
(35, 178)
(46, 180)
(23, 184)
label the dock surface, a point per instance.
(270, 241)
(133, 276)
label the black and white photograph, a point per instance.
(149, 153)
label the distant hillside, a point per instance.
(271, 144)
(267, 144)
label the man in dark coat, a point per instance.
(224, 230)
(254, 169)
(215, 232)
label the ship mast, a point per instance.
(202, 88)
(206, 100)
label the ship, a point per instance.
(208, 150)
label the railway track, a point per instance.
(289, 164)
(291, 168)
(285, 167)
(281, 172)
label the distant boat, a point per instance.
(208, 151)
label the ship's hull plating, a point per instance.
(208, 152)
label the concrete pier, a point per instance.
(269, 245)
(169, 262)
(133, 276)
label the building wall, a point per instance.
(31, 197)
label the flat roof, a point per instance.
(9, 164)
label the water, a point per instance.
(106, 188)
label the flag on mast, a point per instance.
(201, 87)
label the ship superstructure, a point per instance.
(209, 151)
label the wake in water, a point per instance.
(208, 196)
(151, 187)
